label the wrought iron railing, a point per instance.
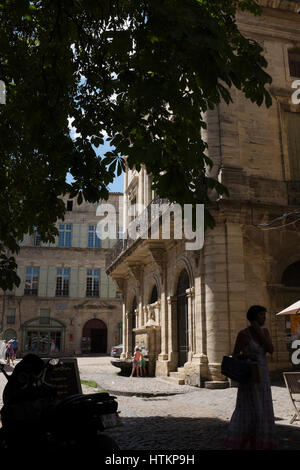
(124, 243)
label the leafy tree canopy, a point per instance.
(140, 72)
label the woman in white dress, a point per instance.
(252, 424)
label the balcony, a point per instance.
(142, 225)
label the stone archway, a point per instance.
(95, 332)
(182, 318)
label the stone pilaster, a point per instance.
(172, 333)
(191, 317)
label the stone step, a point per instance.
(175, 380)
(180, 369)
(178, 375)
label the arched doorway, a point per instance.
(96, 333)
(133, 323)
(10, 334)
(43, 337)
(182, 318)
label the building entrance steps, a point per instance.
(177, 377)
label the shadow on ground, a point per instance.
(168, 433)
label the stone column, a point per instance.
(190, 296)
(146, 189)
(125, 354)
(144, 318)
(157, 314)
(224, 292)
(140, 198)
(172, 333)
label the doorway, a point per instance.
(95, 333)
(182, 318)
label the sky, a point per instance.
(117, 185)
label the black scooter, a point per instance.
(34, 418)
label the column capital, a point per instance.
(190, 292)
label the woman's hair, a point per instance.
(136, 348)
(254, 310)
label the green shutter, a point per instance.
(21, 273)
(81, 282)
(103, 284)
(51, 285)
(43, 279)
(74, 282)
(111, 288)
(293, 137)
(76, 235)
(83, 236)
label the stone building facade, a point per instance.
(65, 304)
(186, 307)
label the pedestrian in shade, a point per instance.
(252, 424)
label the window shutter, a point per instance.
(43, 278)
(76, 235)
(103, 284)
(293, 137)
(74, 282)
(82, 282)
(21, 274)
(111, 288)
(83, 236)
(51, 285)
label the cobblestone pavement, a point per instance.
(176, 417)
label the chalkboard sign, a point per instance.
(65, 377)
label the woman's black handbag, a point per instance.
(236, 369)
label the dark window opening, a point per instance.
(154, 296)
(294, 63)
(291, 276)
(69, 205)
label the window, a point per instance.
(36, 238)
(65, 235)
(69, 205)
(93, 239)
(44, 316)
(62, 281)
(31, 281)
(11, 316)
(133, 208)
(92, 282)
(294, 63)
(293, 138)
